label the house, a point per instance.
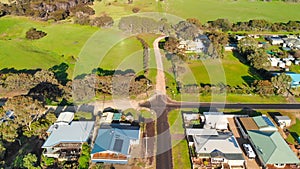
(292, 43)
(275, 40)
(114, 142)
(295, 79)
(274, 61)
(198, 45)
(215, 120)
(283, 121)
(216, 147)
(270, 147)
(66, 137)
(231, 47)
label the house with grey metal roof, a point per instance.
(272, 150)
(65, 139)
(219, 148)
(113, 143)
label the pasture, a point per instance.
(205, 10)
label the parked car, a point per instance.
(249, 151)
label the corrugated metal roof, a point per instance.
(77, 131)
(272, 148)
(65, 117)
(199, 131)
(115, 138)
(260, 122)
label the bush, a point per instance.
(135, 10)
(34, 34)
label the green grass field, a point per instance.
(175, 122)
(62, 42)
(205, 10)
(228, 70)
(180, 154)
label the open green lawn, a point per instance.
(61, 43)
(64, 43)
(228, 70)
(175, 122)
(205, 10)
(180, 154)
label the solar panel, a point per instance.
(268, 121)
(118, 145)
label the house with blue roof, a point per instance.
(113, 143)
(65, 137)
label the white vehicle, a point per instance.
(249, 151)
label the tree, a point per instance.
(247, 46)
(194, 21)
(171, 45)
(281, 83)
(219, 40)
(8, 131)
(29, 161)
(222, 24)
(34, 34)
(258, 59)
(47, 161)
(264, 87)
(26, 110)
(84, 157)
(187, 31)
(2, 150)
(103, 21)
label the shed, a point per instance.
(283, 121)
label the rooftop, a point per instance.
(200, 131)
(282, 118)
(272, 148)
(225, 143)
(115, 138)
(65, 117)
(76, 132)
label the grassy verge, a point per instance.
(175, 122)
(294, 131)
(180, 154)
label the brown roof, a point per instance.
(249, 123)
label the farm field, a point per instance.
(205, 10)
(63, 43)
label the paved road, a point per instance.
(158, 104)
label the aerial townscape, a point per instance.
(149, 84)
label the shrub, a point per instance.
(34, 34)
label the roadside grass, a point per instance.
(205, 10)
(230, 98)
(180, 154)
(142, 113)
(228, 70)
(295, 130)
(175, 122)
